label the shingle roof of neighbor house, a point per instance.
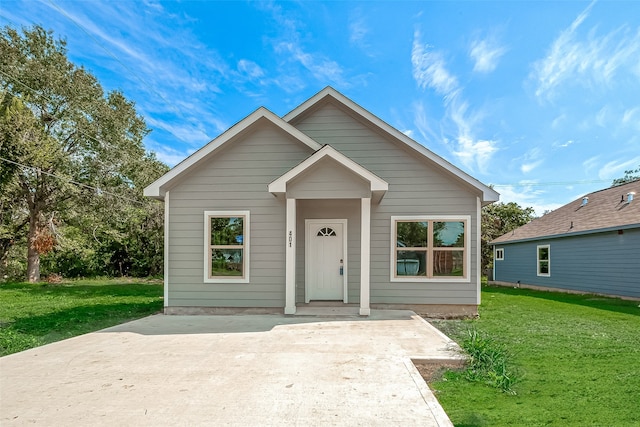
(598, 211)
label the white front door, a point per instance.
(325, 260)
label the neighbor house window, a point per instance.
(544, 260)
(226, 246)
(430, 248)
(500, 254)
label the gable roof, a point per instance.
(489, 195)
(378, 186)
(158, 188)
(604, 210)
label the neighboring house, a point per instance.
(591, 245)
(326, 203)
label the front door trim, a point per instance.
(307, 240)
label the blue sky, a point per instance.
(541, 99)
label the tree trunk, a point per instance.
(33, 257)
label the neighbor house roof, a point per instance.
(603, 210)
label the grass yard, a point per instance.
(35, 314)
(578, 359)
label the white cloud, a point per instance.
(526, 194)
(475, 153)
(358, 31)
(166, 154)
(589, 62)
(631, 117)
(486, 53)
(321, 68)
(192, 134)
(459, 124)
(566, 144)
(429, 68)
(616, 168)
(250, 69)
(555, 124)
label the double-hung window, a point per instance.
(544, 260)
(226, 246)
(499, 254)
(430, 248)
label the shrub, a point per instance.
(489, 362)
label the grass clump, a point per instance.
(576, 357)
(488, 362)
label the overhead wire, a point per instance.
(81, 184)
(547, 184)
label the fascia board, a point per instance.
(559, 236)
(377, 183)
(489, 195)
(157, 189)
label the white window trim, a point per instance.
(499, 254)
(467, 247)
(538, 260)
(245, 241)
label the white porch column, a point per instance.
(290, 263)
(365, 255)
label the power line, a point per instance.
(548, 184)
(96, 189)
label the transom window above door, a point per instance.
(326, 231)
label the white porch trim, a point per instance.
(166, 249)
(365, 255)
(479, 250)
(378, 186)
(290, 262)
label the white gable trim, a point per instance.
(489, 195)
(159, 188)
(378, 186)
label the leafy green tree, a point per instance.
(629, 176)
(498, 219)
(61, 137)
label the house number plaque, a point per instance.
(290, 237)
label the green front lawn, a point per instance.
(578, 359)
(37, 314)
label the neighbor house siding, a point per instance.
(605, 263)
(236, 178)
(415, 188)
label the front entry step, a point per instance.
(322, 310)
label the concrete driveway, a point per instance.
(245, 370)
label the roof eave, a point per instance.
(489, 195)
(558, 236)
(158, 188)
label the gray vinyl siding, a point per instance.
(605, 263)
(235, 178)
(415, 188)
(328, 180)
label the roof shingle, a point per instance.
(604, 209)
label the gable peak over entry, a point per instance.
(377, 186)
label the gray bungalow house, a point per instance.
(590, 245)
(328, 203)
